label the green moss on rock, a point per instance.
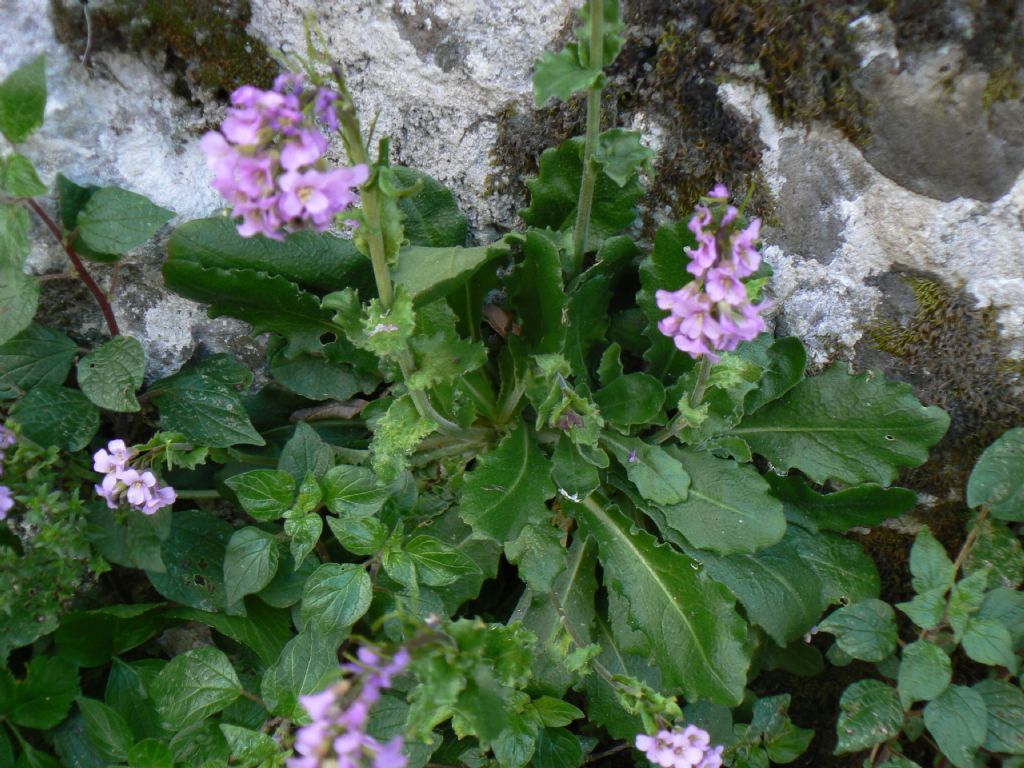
(204, 40)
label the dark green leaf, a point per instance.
(930, 566)
(57, 416)
(560, 75)
(14, 245)
(1006, 606)
(306, 666)
(23, 100)
(658, 476)
(586, 323)
(42, 699)
(438, 564)
(787, 360)
(854, 429)
(989, 642)
(111, 373)
(350, 490)
(72, 198)
(336, 597)
(92, 638)
(19, 178)
(847, 574)
(430, 216)
(126, 692)
(571, 472)
(115, 220)
(635, 398)
(864, 505)
(305, 452)
(998, 478)
(429, 274)
(539, 554)
(36, 356)
(359, 535)
(266, 494)
(250, 563)
(925, 671)
(998, 549)
(194, 559)
(664, 269)
(870, 714)
(203, 408)
(537, 293)
(728, 508)
(958, 721)
(248, 747)
(926, 610)
(150, 753)
(263, 629)
(194, 686)
(19, 297)
(611, 28)
(865, 630)
(1004, 704)
(319, 378)
(33, 758)
(316, 261)
(106, 730)
(695, 635)
(508, 488)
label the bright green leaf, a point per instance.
(658, 476)
(19, 178)
(111, 373)
(930, 566)
(23, 100)
(265, 494)
(116, 220)
(865, 630)
(194, 686)
(429, 274)
(307, 664)
(870, 714)
(989, 642)
(250, 563)
(438, 564)
(336, 597)
(560, 75)
(19, 298)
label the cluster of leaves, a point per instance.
(676, 529)
(968, 609)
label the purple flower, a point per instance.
(688, 747)
(713, 312)
(160, 498)
(308, 147)
(325, 109)
(122, 481)
(6, 501)
(7, 440)
(114, 459)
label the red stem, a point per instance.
(94, 289)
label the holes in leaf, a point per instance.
(890, 438)
(328, 338)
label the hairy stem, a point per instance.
(678, 422)
(76, 261)
(589, 181)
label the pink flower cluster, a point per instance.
(6, 499)
(122, 481)
(713, 313)
(337, 736)
(688, 747)
(268, 160)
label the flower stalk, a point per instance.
(589, 182)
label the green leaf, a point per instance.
(307, 664)
(248, 747)
(194, 686)
(537, 294)
(587, 320)
(1006, 606)
(316, 261)
(853, 429)
(863, 505)
(621, 154)
(443, 357)
(19, 298)
(998, 549)
(998, 478)
(865, 630)
(268, 302)
(36, 356)
(784, 369)
(264, 629)
(396, 435)
(92, 638)
(336, 597)
(695, 635)
(57, 416)
(350, 490)
(438, 564)
(539, 555)
(320, 378)
(106, 730)
(305, 452)
(778, 590)
(554, 195)
(508, 488)
(111, 373)
(728, 508)
(429, 274)
(1004, 704)
(870, 714)
(359, 535)
(611, 27)
(959, 723)
(664, 269)
(927, 609)
(925, 671)
(557, 748)
(194, 559)
(265, 494)
(847, 574)
(555, 713)
(42, 699)
(14, 245)
(33, 758)
(634, 398)
(116, 221)
(72, 198)
(930, 566)
(431, 215)
(571, 472)
(989, 642)
(250, 563)
(303, 531)
(560, 75)
(150, 753)
(204, 408)
(19, 178)
(658, 476)
(23, 100)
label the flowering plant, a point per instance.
(548, 498)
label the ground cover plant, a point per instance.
(552, 500)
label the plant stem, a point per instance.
(94, 289)
(202, 493)
(678, 422)
(589, 181)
